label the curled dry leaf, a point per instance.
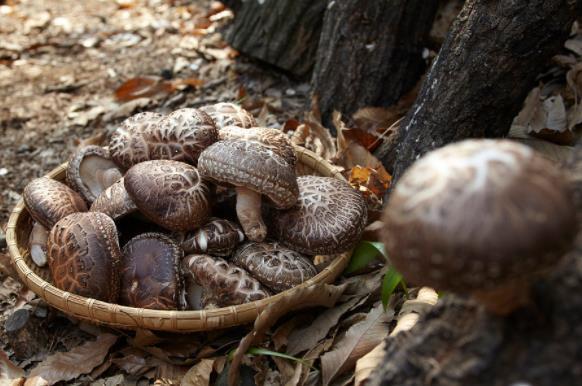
(141, 87)
(10, 374)
(360, 339)
(302, 297)
(199, 374)
(64, 366)
(313, 136)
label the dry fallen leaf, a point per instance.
(302, 297)
(10, 374)
(141, 87)
(360, 339)
(199, 374)
(64, 366)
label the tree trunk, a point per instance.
(370, 53)
(284, 33)
(486, 67)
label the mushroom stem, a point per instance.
(248, 210)
(108, 177)
(505, 298)
(38, 243)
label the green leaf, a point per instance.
(391, 280)
(365, 253)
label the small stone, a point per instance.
(3, 172)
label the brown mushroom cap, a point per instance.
(329, 217)
(150, 273)
(224, 283)
(181, 136)
(229, 114)
(84, 255)
(91, 171)
(253, 166)
(477, 213)
(218, 237)
(274, 139)
(170, 193)
(114, 201)
(275, 266)
(49, 200)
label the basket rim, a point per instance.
(101, 312)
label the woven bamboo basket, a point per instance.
(114, 315)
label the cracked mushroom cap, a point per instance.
(329, 217)
(171, 194)
(229, 114)
(224, 284)
(91, 171)
(114, 201)
(180, 136)
(253, 166)
(275, 266)
(49, 200)
(84, 256)
(218, 237)
(150, 273)
(477, 213)
(274, 139)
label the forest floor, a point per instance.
(70, 72)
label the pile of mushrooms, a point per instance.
(147, 221)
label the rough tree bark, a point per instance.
(482, 74)
(284, 33)
(370, 53)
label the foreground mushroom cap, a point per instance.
(275, 266)
(477, 213)
(49, 200)
(253, 169)
(114, 201)
(170, 193)
(229, 114)
(274, 139)
(90, 171)
(84, 256)
(180, 136)
(150, 273)
(329, 217)
(224, 284)
(218, 237)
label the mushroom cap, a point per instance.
(49, 200)
(180, 136)
(275, 266)
(251, 165)
(218, 237)
(329, 217)
(84, 255)
(91, 171)
(474, 214)
(128, 145)
(170, 193)
(150, 273)
(229, 114)
(274, 139)
(114, 201)
(224, 283)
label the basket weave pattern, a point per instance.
(114, 315)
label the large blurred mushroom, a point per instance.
(480, 217)
(172, 194)
(275, 266)
(90, 171)
(229, 114)
(221, 284)
(84, 256)
(49, 200)
(254, 170)
(180, 136)
(150, 273)
(329, 217)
